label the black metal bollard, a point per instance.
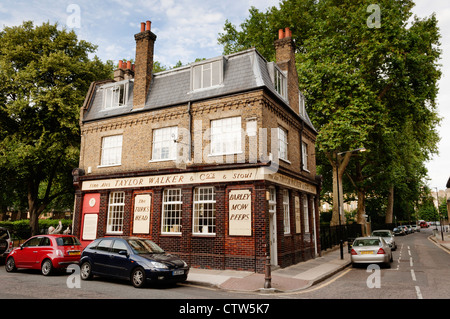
(268, 275)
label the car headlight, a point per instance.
(185, 264)
(155, 264)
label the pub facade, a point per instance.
(213, 161)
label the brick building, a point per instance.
(213, 161)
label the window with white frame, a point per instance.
(171, 211)
(282, 143)
(111, 150)
(304, 156)
(164, 143)
(280, 83)
(204, 221)
(226, 136)
(306, 213)
(207, 75)
(286, 213)
(115, 95)
(301, 104)
(114, 224)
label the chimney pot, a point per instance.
(287, 32)
(280, 34)
(142, 26)
(129, 65)
(120, 64)
(149, 23)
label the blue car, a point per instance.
(139, 260)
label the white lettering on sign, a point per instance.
(240, 212)
(141, 220)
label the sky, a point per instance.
(188, 29)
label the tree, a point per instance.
(45, 73)
(365, 86)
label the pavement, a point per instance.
(290, 279)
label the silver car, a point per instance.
(371, 250)
(388, 237)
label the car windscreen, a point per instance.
(366, 242)
(381, 234)
(3, 234)
(67, 241)
(144, 246)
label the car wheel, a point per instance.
(47, 267)
(10, 265)
(86, 271)
(138, 277)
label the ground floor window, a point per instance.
(115, 212)
(171, 212)
(287, 215)
(204, 210)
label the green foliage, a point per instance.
(45, 73)
(371, 87)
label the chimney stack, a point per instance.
(125, 71)
(145, 41)
(285, 59)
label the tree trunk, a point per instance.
(336, 162)
(390, 206)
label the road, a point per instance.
(420, 269)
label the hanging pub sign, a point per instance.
(141, 220)
(240, 212)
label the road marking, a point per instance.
(419, 294)
(410, 261)
(413, 275)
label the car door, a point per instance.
(119, 261)
(25, 256)
(100, 256)
(42, 251)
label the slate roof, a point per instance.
(245, 70)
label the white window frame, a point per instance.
(115, 95)
(111, 150)
(172, 208)
(305, 156)
(306, 213)
(207, 75)
(286, 212)
(302, 104)
(164, 138)
(283, 143)
(280, 82)
(226, 136)
(116, 209)
(204, 211)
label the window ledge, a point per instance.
(110, 165)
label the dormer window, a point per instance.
(280, 83)
(115, 95)
(302, 104)
(207, 75)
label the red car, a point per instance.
(45, 252)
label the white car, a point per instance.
(388, 237)
(371, 250)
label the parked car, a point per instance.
(139, 260)
(398, 231)
(410, 229)
(5, 242)
(45, 252)
(415, 228)
(388, 237)
(424, 225)
(405, 229)
(371, 250)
